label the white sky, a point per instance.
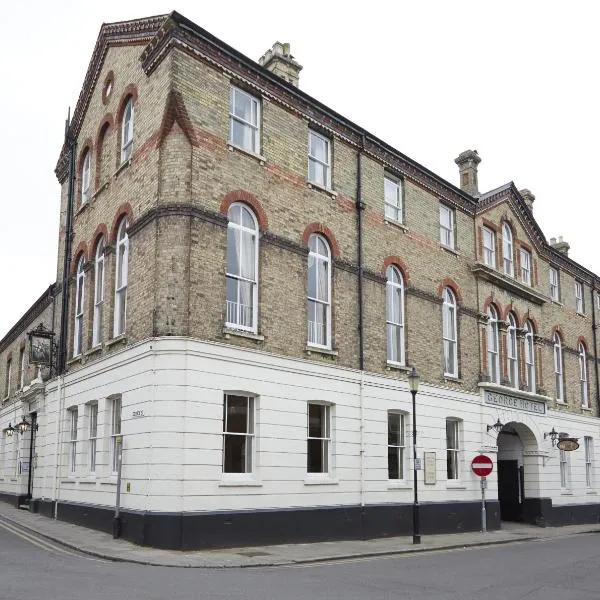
(516, 80)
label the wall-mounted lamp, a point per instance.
(497, 426)
(22, 427)
(553, 435)
(10, 430)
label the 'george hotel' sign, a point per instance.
(532, 406)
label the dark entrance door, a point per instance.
(32, 432)
(509, 490)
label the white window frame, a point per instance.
(115, 408)
(238, 315)
(395, 316)
(508, 259)
(450, 332)
(558, 368)
(530, 358)
(248, 434)
(493, 346)
(319, 334)
(8, 376)
(252, 126)
(397, 447)
(512, 351)
(73, 412)
(453, 452)
(588, 445)
(325, 181)
(554, 284)
(447, 226)
(121, 279)
(489, 247)
(565, 470)
(393, 199)
(525, 266)
(579, 303)
(21, 368)
(99, 275)
(92, 436)
(583, 377)
(324, 438)
(86, 170)
(127, 131)
(79, 308)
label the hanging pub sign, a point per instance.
(568, 444)
(41, 342)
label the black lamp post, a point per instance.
(413, 383)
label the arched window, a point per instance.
(512, 353)
(558, 368)
(583, 382)
(103, 153)
(529, 358)
(79, 300)
(127, 131)
(395, 315)
(86, 170)
(493, 355)
(507, 250)
(242, 268)
(450, 333)
(319, 292)
(98, 294)
(121, 278)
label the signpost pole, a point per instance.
(483, 515)
(482, 466)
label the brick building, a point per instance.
(244, 277)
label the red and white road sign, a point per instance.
(482, 465)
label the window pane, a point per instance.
(237, 414)
(316, 420)
(235, 457)
(394, 429)
(394, 463)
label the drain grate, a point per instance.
(253, 553)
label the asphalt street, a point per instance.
(33, 568)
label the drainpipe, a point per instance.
(64, 314)
(595, 293)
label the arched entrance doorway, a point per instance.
(516, 446)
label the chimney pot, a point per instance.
(467, 162)
(560, 245)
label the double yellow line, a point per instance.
(41, 542)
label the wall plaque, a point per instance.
(430, 475)
(506, 401)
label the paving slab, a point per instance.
(103, 545)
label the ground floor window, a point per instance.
(452, 449)
(318, 438)
(396, 447)
(238, 434)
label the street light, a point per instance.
(413, 384)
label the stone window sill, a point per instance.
(398, 485)
(397, 224)
(238, 480)
(458, 485)
(68, 480)
(112, 480)
(321, 188)
(75, 360)
(452, 379)
(586, 409)
(394, 366)
(591, 493)
(124, 165)
(325, 479)
(566, 493)
(318, 350)
(583, 315)
(93, 350)
(450, 250)
(120, 338)
(83, 206)
(88, 481)
(234, 148)
(99, 190)
(561, 403)
(228, 332)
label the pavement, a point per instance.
(102, 545)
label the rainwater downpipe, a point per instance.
(596, 297)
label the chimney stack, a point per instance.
(560, 245)
(279, 61)
(467, 162)
(528, 197)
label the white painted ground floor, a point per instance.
(222, 446)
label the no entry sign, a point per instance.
(482, 465)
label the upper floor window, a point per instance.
(318, 452)
(244, 120)
(512, 354)
(396, 445)
(122, 274)
(489, 247)
(525, 256)
(558, 368)
(529, 358)
(79, 302)
(579, 304)
(554, 284)
(319, 159)
(393, 199)
(238, 434)
(583, 378)
(98, 294)
(22, 368)
(395, 315)
(127, 132)
(319, 292)
(452, 448)
(507, 250)
(86, 170)
(446, 226)
(242, 268)
(8, 377)
(493, 354)
(449, 332)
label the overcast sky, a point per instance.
(516, 80)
